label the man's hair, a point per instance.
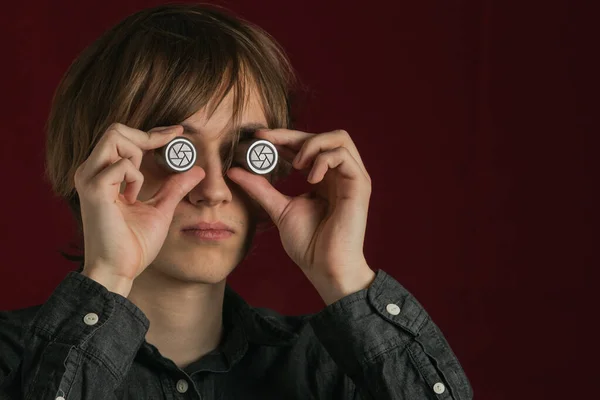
(157, 67)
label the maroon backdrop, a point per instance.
(469, 118)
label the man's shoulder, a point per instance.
(12, 325)
(17, 318)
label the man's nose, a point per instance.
(213, 189)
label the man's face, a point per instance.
(215, 198)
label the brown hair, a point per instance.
(157, 67)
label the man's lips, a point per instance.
(204, 226)
(208, 234)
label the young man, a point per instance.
(149, 314)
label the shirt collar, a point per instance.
(257, 327)
(242, 325)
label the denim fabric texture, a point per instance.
(378, 343)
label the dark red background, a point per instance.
(469, 116)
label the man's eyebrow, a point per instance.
(246, 130)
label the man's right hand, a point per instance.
(122, 235)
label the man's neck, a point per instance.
(185, 318)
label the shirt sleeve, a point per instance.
(386, 343)
(80, 344)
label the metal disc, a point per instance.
(262, 157)
(180, 154)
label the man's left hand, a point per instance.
(323, 230)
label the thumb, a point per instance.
(175, 188)
(259, 188)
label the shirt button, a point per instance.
(439, 388)
(182, 386)
(393, 309)
(91, 318)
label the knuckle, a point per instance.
(342, 132)
(113, 135)
(308, 143)
(321, 157)
(343, 150)
(128, 163)
(109, 139)
(77, 174)
(115, 126)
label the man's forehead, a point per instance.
(221, 124)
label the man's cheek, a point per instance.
(253, 208)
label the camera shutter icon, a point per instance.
(262, 157)
(181, 154)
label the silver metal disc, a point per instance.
(180, 154)
(262, 157)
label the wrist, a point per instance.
(333, 290)
(113, 283)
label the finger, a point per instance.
(110, 149)
(121, 141)
(284, 137)
(153, 139)
(324, 142)
(105, 186)
(339, 159)
(175, 188)
(258, 188)
(314, 143)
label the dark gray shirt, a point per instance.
(86, 342)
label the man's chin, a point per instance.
(195, 268)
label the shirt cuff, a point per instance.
(364, 324)
(81, 312)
